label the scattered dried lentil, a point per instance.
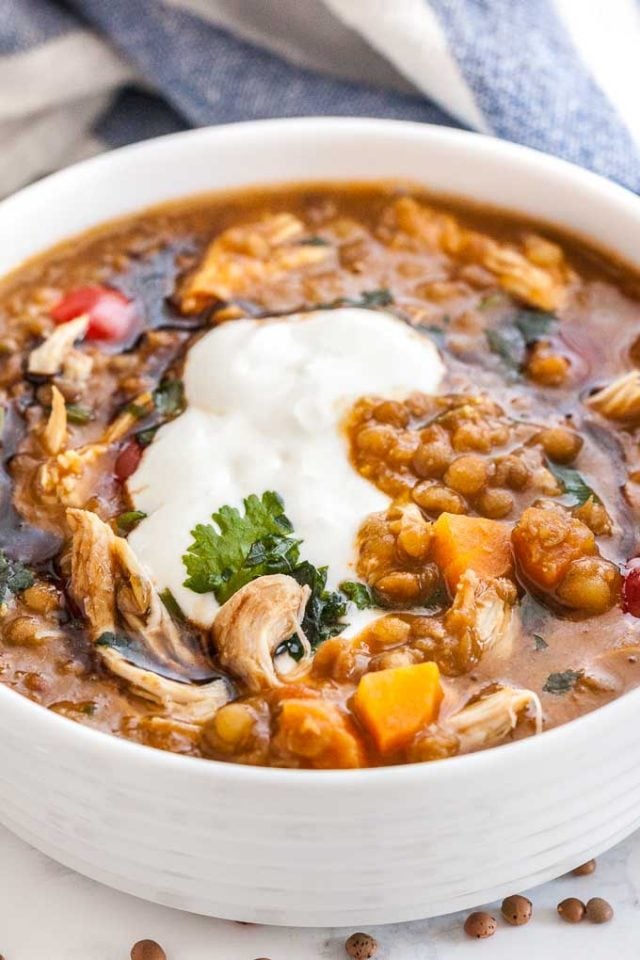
(517, 910)
(572, 910)
(599, 910)
(480, 925)
(147, 950)
(361, 946)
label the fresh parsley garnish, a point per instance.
(128, 520)
(539, 642)
(222, 558)
(14, 577)
(359, 594)
(573, 484)
(511, 341)
(119, 641)
(560, 683)
(238, 548)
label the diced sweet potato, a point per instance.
(546, 540)
(462, 543)
(318, 734)
(393, 705)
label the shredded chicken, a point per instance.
(482, 620)
(537, 272)
(253, 623)
(76, 369)
(490, 718)
(186, 702)
(48, 358)
(128, 419)
(242, 258)
(620, 400)
(68, 478)
(54, 436)
(111, 587)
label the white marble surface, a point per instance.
(49, 913)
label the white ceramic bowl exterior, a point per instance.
(319, 848)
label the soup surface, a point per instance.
(325, 476)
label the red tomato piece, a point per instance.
(128, 459)
(110, 313)
(631, 589)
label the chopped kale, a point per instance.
(314, 241)
(144, 437)
(573, 484)
(359, 594)
(367, 299)
(127, 521)
(241, 548)
(539, 642)
(168, 398)
(172, 605)
(511, 340)
(78, 414)
(509, 345)
(561, 683)
(325, 608)
(14, 577)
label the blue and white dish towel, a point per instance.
(80, 76)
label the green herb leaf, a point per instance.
(561, 683)
(137, 410)
(367, 299)
(436, 333)
(539, 642)
(359, 594)
(144, 437)
(172, 605)
(573, 484)
(119, 641)
(239, 549)
(14, 577)
(314, 241)
(534, 324)
(216, 560)
(78, 414)
(508, 343)
(168, 398)
(325, 608)
(127, 521)
(511, 340)
(493, 299)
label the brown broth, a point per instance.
(145, 256)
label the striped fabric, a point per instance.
(81, 76)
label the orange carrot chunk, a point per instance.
(318, 734)
(393, 705)
(462, 543)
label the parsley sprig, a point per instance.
(240, 547)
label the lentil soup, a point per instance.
(467, 575)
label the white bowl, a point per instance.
(312, 847)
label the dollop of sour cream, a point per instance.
(265, 403)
